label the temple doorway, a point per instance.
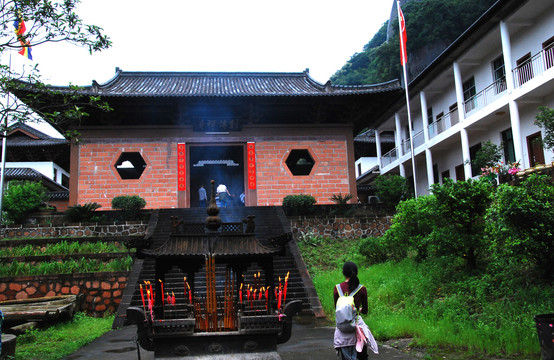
(222, 163)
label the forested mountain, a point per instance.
(431, 26)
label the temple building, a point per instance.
(265, 134)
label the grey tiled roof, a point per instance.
(225, 245)
(28, 136)
(369, 137)
(22, 174)
(58, 195)
(224, 84)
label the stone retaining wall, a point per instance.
(102, 290)
(340, 227)
(92, 229)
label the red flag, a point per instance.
(403, 37)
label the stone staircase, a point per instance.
(270, 222)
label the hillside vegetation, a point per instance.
(467, 288)
(431, 26)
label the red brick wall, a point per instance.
(102, 291)
(99, 182)
(329, 176)
(61, 205)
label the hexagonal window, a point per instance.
(130, 165)
(300, 162)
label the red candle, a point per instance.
(163, 300)
(184, 288)
(173, 298)
(240, 293)
(190, 294)
(279, 302)
(148, 293)
(285, 290)
(260, 295)
(142, 296)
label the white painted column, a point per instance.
(378, 146)
(516, 133)
(402, 170)
(398, 135)
(429, 162)
(507, 54)
(465, 153)
(458, 83)
(424, 115)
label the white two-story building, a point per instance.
(486, 86)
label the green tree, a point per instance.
(460, 229)
(429, 23)
(21, 198)
(129, 205)
(520, 223)
(411, 227)
(391, 189)
(45, 22)
(545, 120)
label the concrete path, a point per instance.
(308, 342)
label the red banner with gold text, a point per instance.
(181, 167)
(251, 163)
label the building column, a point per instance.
(402, 170)
(424, 115)
(378, 146)
(458, 83)
(429, 161)
(507, 55)
(466, 158)
(516, 132)
(398, 135)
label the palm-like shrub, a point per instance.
(79, 213)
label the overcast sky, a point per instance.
(215, 35)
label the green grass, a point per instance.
(83, 265)
(61, 340)
(63, 248)
(438, 304)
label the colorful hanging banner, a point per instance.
(251, 163)
(181, 167)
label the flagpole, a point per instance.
(4, 148)
(404, 61)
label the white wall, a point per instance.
(46, 168)
(367, 163)
(529, 37)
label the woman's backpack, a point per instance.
(345, 311)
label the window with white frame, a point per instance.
(469, 93)
(499, 74)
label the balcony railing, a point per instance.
(485, 97)
(419, 139)
(443, 123)
(534, 66)
(389, 157)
